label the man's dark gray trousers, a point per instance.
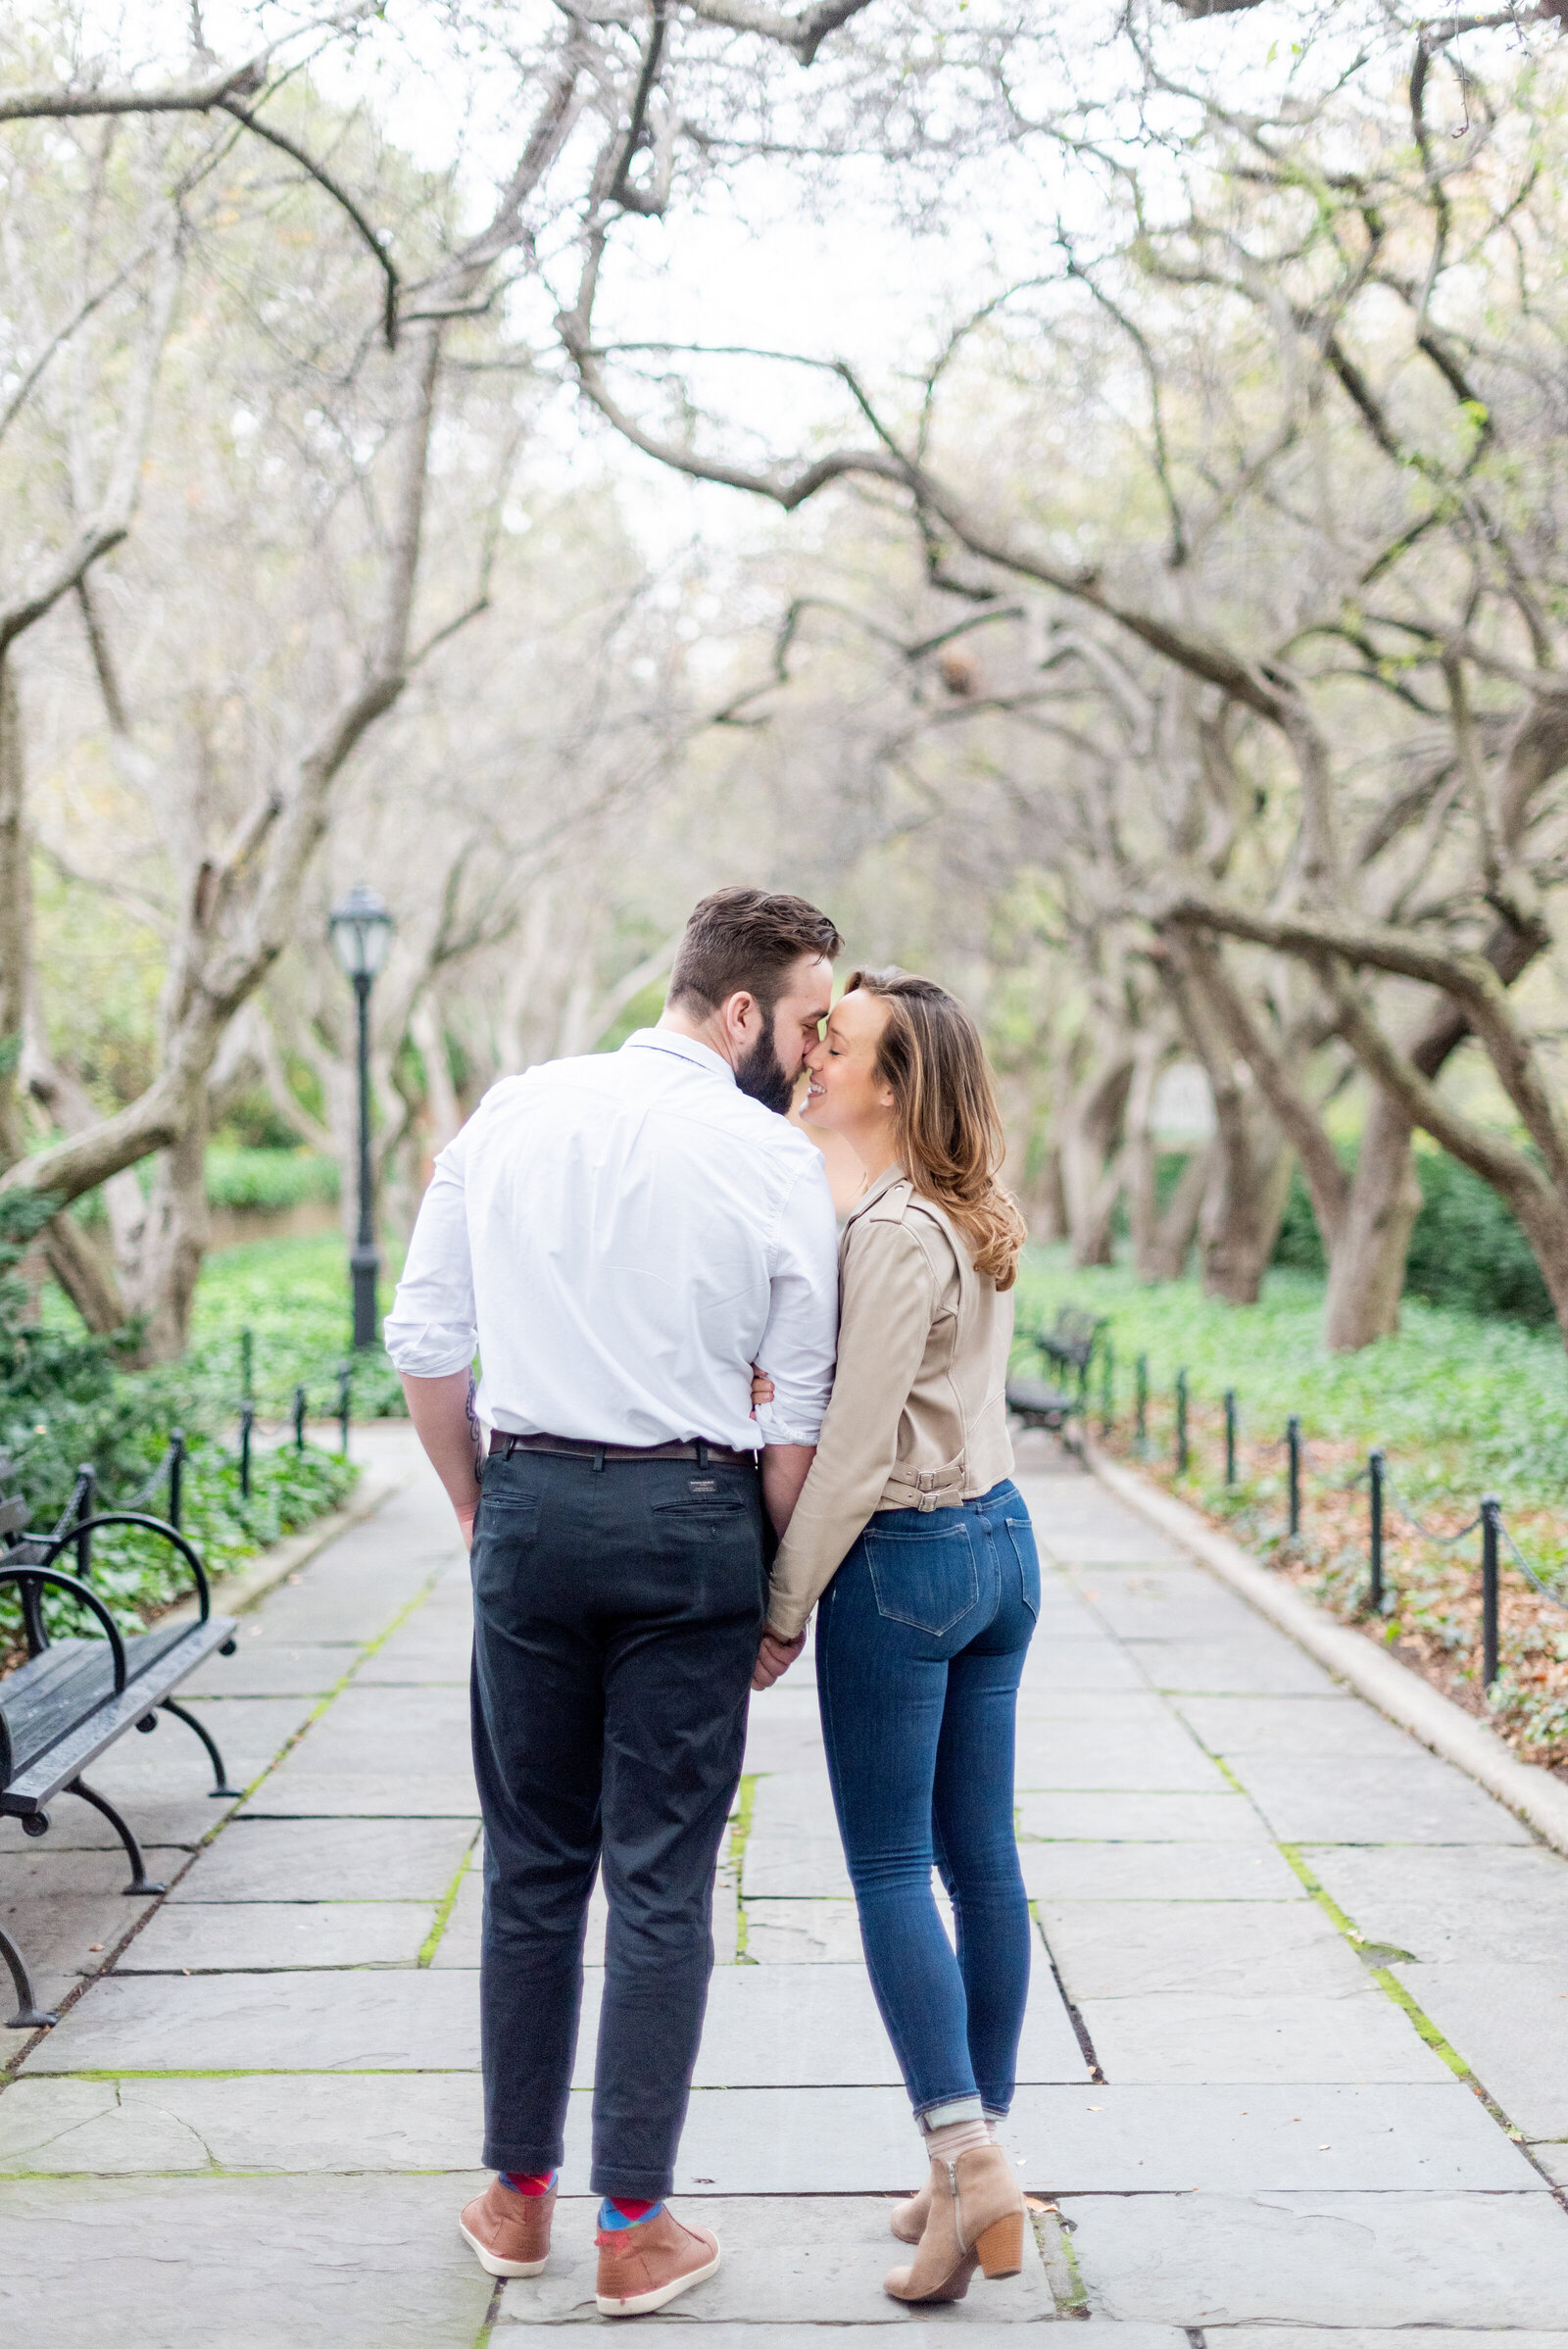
(617, 1611)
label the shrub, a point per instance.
(65, 1400)
(271, 1180)
(1467, 1249)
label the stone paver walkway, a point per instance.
(1271, 1927)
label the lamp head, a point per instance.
(360, 931)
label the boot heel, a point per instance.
(1000, 2248)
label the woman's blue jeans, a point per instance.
(920, 1643)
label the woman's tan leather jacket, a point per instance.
(917, 1418)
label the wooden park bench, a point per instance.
(72, 1697)
(1068, 1348)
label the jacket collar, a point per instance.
(879, 1188)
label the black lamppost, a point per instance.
(360, 931)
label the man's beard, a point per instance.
(761, 1074)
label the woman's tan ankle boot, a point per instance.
(907, 2219)
(975, 2220)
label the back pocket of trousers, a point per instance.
(928, 1580)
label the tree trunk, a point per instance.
(1366, 1264)
(77, 1263)
(1044, 1201)
(1142, 1157)
(1243, 1208)
(1162, 1237)
(1163, 1256)
(174, 1241)
(1250, 1160)
(1091, 1161)
(442, 1107)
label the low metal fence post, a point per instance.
(177, 1476)
(247, 1366)
(344, 1376)
(1183, 1455)
(247, 1420)
(1143, 1404)
(1293, 1442)
(1490, 1512)
(1230, 1434)
(299, 1419)
(1374, 1479)
(87, 1476)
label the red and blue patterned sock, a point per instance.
(616, 2211)
(540, 2183)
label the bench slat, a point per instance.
(193, 1643)
(14, 1513)
(1030, 1399)
(44, 1700)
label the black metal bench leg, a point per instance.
(140, 1881)
(223, 1788)
(30, 2014)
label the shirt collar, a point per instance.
(685, 1047)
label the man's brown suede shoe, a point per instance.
(646, 2266)
(508, 2232)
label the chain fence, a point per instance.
(169, 1469)
(1383, 1495)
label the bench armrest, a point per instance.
(88, 1597)
(151, 1525)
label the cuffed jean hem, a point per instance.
(948, 2109)
(631, 2186)
(523, 2160)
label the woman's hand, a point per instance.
(762, 1387)
(774, 1658)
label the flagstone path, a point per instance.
(1297, 2054)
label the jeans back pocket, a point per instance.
(1021, 1534)
(927, 1579)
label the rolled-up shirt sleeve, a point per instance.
(799, 1342)
(433, 1328)
(888, 1305)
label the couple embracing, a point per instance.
(709, 1414)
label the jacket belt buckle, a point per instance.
(932, 1486)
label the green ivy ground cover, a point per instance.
(293, 1297)
(65, 1399)
(1461, 1403)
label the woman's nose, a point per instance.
(815, 1054)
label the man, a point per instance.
(624, 1235)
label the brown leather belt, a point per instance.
(573, 1448)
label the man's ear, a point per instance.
(739, 1007)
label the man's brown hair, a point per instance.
(746, 938)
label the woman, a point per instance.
(911, 1536)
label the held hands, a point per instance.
(466, 1518)
(775, 1655)
(774, 1658)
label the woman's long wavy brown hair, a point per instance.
(950, 1143)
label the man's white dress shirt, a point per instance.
(623, 1236)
